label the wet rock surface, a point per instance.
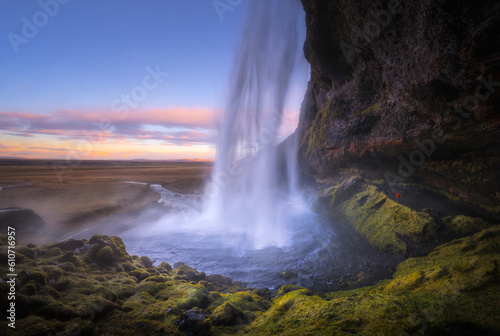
(405, 92)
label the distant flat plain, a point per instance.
(69, 200)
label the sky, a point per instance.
(118, 79)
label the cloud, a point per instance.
(181, 126)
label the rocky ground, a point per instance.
(94, 287)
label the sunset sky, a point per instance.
(117, 79)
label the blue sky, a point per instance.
(89, 53)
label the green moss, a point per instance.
(317, 133)
(52, 271)
(374, 107)
(57, 310)
(106, 255)
(237, 308)
(166, 266)
(190, 273)
(446, 288)
(425, 295)
(123, 324)
(464, 225)
(55, 251)
(29, 288)
(34, 325)
(39, 276)
(144, 306)
(384, 222)
(140, 274)
(288, 288)
(185, 296)
(146, 262)
(67, 266)
(227, 315)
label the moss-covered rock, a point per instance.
(67, 266)
(55, 251)
(227, 315)
(146, 262)
(39, 276)
(288, 275)
(464, 225)
(194, 322)
(106, 255)
(190, 273)
(428, 295)
(166, 266)
(387, 224)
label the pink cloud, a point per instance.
(178, 125)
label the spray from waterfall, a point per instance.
(254, 181)
(252, 222)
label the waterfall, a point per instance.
(254, 181)
(252, 222)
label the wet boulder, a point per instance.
(146, 262)
(288, 275)
(191, 273)
(166, 266)
(194, 322)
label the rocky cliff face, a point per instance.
(405, 93)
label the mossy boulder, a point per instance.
(53, 272)
(186, 296)
(55, 251)
(288, 275)
(26, 251)
(106, 255)
(166, 266)
(219, 279)
(193, 322)
(290, 288)
(190, 273)
(99, 242)
(146, 262)
(227, 315)
(29, 289)
(140, 274)
(68, 267)
(57, 310)
(237, 308)
(465, 225)
(39, 276)
(387, 224)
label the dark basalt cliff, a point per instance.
(405, 93)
